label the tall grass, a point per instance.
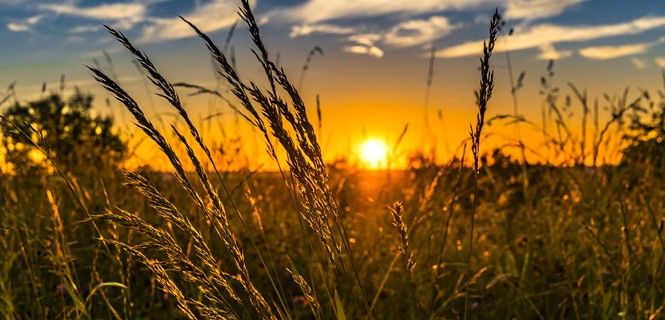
(498, 239)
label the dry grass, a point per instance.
(315, 241)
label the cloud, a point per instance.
(638, 63)
(372, 51)
(85, 29)
(324, 10)
(548, 52)
(307, 29)
(405, 34)
(124, 15)
(366, 39)
(25, 25)
(209, 17)
(537, 9)
(660, 61)
(365, 43)
(416, 32)
(612, 52)
(18, 27)
(544, 34)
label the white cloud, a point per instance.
(24, 25)
(548, 52)
(307, 29)
(372, 51)
(85, 28)
(323, 10)
(125, 15)
(660, 61)
(365, 43)
(18, 27)
(211, 16)
(612, 52)
(638, 63)
(115, 11)
(537, 9)
(544, 34)
(416, 32)
(366, 39)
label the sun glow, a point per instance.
(374, 153)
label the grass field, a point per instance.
(484, 236)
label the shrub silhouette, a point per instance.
(65, 130)
(646, 135)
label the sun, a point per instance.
(374, 153)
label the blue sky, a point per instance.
(50, 32)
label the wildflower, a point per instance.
(61, 290)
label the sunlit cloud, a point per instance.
(324, 10)
(307, 29)
(372, 51)
(85, 28)
(544, 34)
(209, 17)
(124, 15)
(366, 39)
(18, 27)
(410, 32)
(365, 43)
(660, 61)
(415, 32)
(405, 34)
(612, 52)
(25, 25)
(537, 9)
(548, 52)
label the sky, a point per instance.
(371, 78)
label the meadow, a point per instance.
(486, 235)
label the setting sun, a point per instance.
(373, 153)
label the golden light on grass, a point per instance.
(374, 153)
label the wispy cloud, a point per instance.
(404, 34)
(548, 52)
(85, 28)
(324, 10)
(660, 61)
(612, 52)
(544, 34)
(312, 14)
(537, 9)
(365, 43)
(366, 39)
(307, 29)
(211, 16)
(25, 25)
(416, 32)
(123, 15)
(370, 50)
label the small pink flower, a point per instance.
(61, 289)
(300, 300)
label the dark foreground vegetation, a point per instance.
(485, 236)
